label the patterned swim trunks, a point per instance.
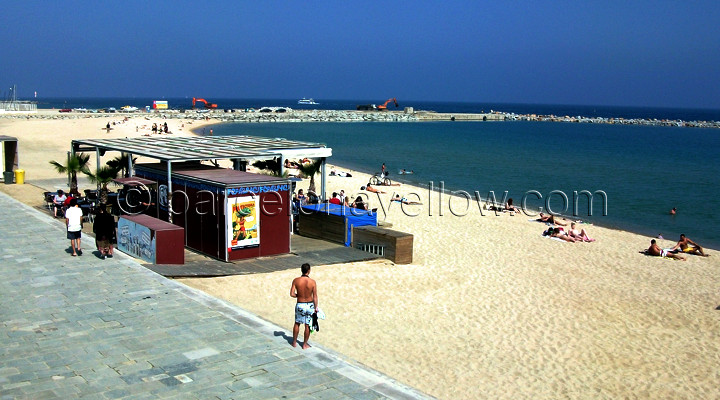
(304, 312)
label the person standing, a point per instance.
(104, 229)
(73, 221)
(304, 289)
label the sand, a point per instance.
(490, 308)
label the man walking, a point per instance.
(73, 221)
(304, 290)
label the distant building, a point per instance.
(13, 105)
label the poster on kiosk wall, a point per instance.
(243, 228)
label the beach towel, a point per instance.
(318, 314)
(645, 252)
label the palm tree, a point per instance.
(120, 164)
(309, 171)
(273, 166)
(270, 167)
(103, 176)
(75, 163)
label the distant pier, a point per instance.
(284, 114)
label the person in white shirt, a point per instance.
(73, 221)
(58, 201)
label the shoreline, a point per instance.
(489, 307)
(593, 220)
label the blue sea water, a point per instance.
(644, 170)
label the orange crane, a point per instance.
(207, 105)
(383, 107)
(373, 107)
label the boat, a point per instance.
(307, 101)
(128, 109)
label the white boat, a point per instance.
(128, 109)
(307, 101)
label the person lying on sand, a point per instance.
(579, 234)
(370, 189)
(340, 173)
(655, 250)
(403, 200)
(560, 234)
(688, 246)
(550, 219)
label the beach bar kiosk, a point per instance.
(226, 214)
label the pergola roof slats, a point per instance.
(203, 148)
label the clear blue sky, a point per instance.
(636, 53)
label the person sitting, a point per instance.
(510, 207)
(688, 246)
(580, 235)
(369, 188)
(301, 197)
(58, 202)
(312, 198)
(335, 199)
(655, 250)
(346, 201)
(549, 219)
(359, 203)
(403, 200)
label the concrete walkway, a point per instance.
(82, 327)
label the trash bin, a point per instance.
(19, 176)
(8, 175)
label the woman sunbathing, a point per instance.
(580, 235)
(370, 189)
(510, 207)
(403, 200)
(560, 234)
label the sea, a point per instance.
(635, 173)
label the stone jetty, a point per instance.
(284, 114)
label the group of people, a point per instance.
(163, 128)
(104, 226)
(684, 245)
(572, 235)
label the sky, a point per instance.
(636, 53)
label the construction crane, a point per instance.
(207, 105)
(373, 107)
(383, 107)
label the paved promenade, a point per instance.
(82, 327)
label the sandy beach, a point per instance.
(489, 309)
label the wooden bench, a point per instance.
(396, 246)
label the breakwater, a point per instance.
(285, 114)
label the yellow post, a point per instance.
(19, 176)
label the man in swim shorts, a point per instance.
(688, 246)
(655, 250)
(304, 290)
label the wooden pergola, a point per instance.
(238, 149)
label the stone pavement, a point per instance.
(82, 327)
